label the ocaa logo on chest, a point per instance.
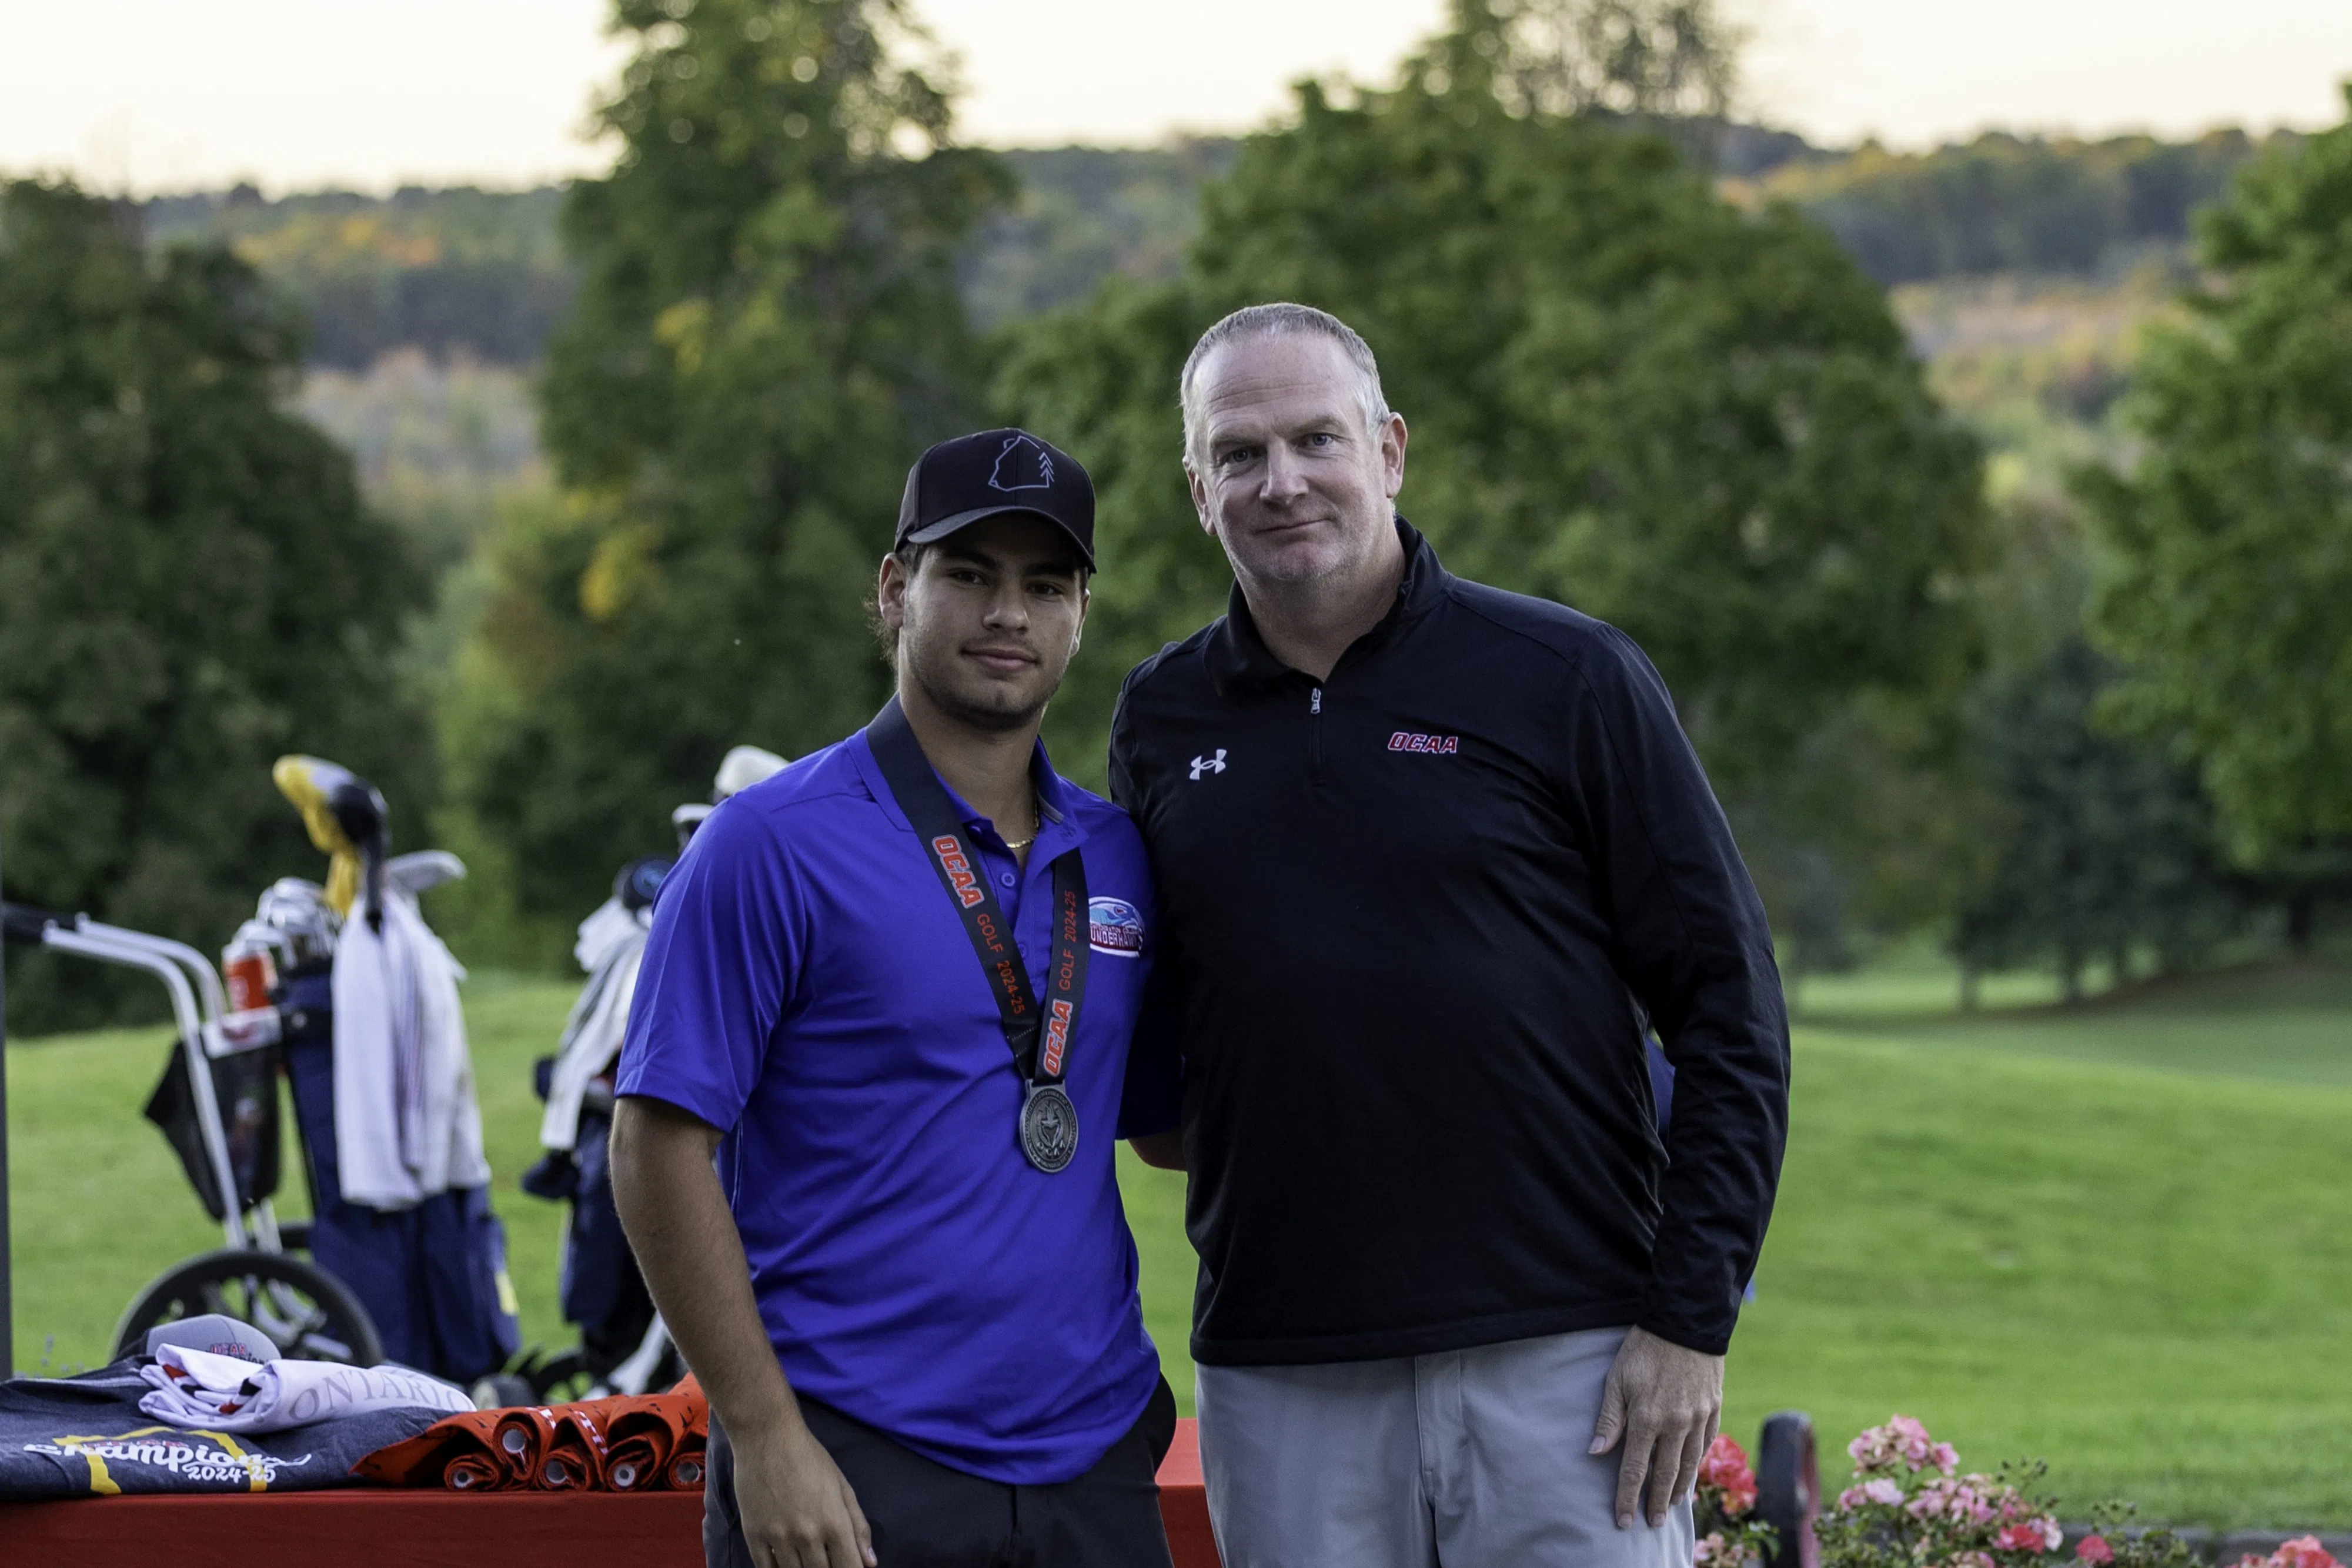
(1114, 926)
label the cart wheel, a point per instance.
(1789, 1487)
(308, 1314)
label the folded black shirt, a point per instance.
(86, 1437)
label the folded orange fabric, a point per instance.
(633, 1439)
(464, 1443)
(525, 1435)
(472, 1472)
(621, 1443)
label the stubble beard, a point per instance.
(1295, 573)
(994, 710)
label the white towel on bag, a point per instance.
(407, 1123)
(611, 947)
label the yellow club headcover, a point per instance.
(308, 782)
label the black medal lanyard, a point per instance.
(1040, 1039)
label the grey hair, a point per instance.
(1276, 321)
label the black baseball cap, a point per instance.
(958, 482)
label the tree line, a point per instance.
(2108, 731)
(485, 273)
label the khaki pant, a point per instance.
(1470, 1458)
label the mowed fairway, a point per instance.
(2119, 1238)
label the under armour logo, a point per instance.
(1022, 465)
(1208, 764)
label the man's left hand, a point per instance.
(1664, 1403)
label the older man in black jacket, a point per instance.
(1433, 858)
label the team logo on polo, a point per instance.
(1204, 765)
(1412, 740)
(1114, 927)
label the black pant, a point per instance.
(925, 1515)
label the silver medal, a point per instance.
(1049, 1127)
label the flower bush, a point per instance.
(1724, 1505)
(2303, 1552)
(1910, 1504)
(1911, 1507)
(2110, 1546)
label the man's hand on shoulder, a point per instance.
(1664, 1403)
(798, 1508)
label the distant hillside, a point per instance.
(481, 274)
(1084, 213)
(2009, 203)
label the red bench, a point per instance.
(380, 1528)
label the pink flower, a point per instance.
(1945, 1458)
(1911, 1439)
(2303, 1552)
(1724, 1469)
(1904, 1438)
(1963, 1502)
(2030, 1535)
(2095, 1549)
(1710, 1548)
(1877, 1490)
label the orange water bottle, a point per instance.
(250, 972)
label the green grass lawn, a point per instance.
(2117, 1237)
(99, 1206)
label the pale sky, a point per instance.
(149, 94)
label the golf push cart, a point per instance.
(218, 1103)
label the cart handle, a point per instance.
(25, 923)
(108, 947)
(199, 968)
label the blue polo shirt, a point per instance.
(809, 989)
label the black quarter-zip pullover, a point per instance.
(1413, 918)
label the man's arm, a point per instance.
(1155, 1059)
(798, 1510)
(1698, 955)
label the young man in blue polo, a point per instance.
(892, 991)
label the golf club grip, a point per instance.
(24, 922)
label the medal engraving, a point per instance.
(1049, 1127)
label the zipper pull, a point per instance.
(1315, 703)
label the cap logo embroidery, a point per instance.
(1022, 465)
(1409, 740)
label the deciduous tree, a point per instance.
(1699, 422)
(2230, 543)
(189, 586)
(767, 332)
